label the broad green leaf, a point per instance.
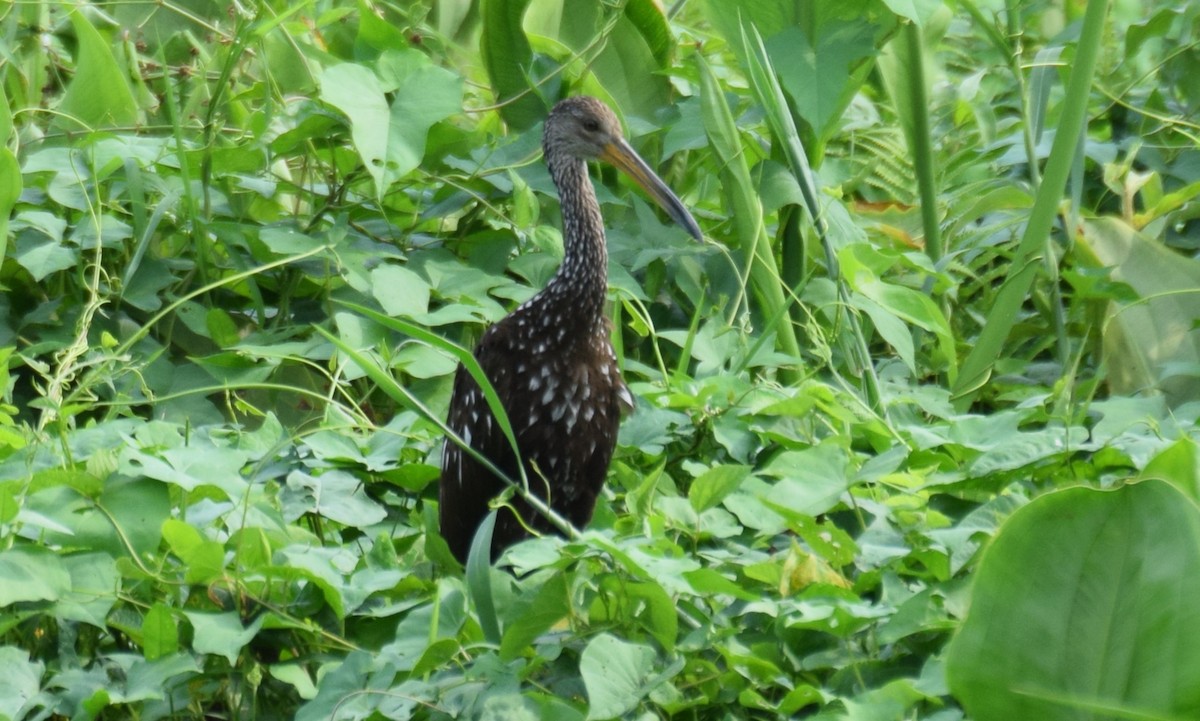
(811, 481)
(295, 675)
(629, 67)
(615, 674)
(1179, 465)
(94, 586)
(221, 328)
(336, 495)
(20, 681)
(316, 566)
(507, 57)
(127, 518)
(534, 616)
(160, 632)
(221, 634)
(191, 467)
(32, 574)
(818, 78)
(427, 624)
(890, 328)
(10, 191)
(203, 559)
(1154, 343)
(98, 96)
(399, 290)
(715, 484)
(341, 689)
(1084, 607)
(656, 611)
(151, 678)
(391, 139)
(45, 258)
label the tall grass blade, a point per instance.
(976, 369)
(759, 262)
(398, 392)
(479, 579)
(765, 84)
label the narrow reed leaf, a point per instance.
(977, 367)
(479, 579)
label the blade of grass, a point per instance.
(764, 82)
(401, 394)
(759, 262)
(461, 354)
(976, 369)
(479, 579)
(907, 71)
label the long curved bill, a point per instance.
(622, 156)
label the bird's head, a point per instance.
(583, 127)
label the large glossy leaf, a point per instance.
(1148, 342)
(1084, 607)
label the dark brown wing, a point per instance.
(564, 404)
(467, 486)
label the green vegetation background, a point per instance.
(915, 434)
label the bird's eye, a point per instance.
(591, 125)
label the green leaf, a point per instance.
(130, 520)
(45, 258)
(190, 467)
(811, 481)
(150, 679)
(221, 328)
(1179, 465)
(99, 95)
(479, 578)
(336, 495)
(399, 290)
(203, 559)
(715, 484)
(32, 574)
(1147, 342)
(818, 78)
(614, 673)
(94, 586)
(549, 605)
(507, 57)
(160, 632)
(10, 191)
(1086, 602)
(221, 633)
(391, 139)
(20, 681)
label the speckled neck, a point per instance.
(577, 291)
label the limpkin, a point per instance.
(551, 360)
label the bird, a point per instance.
(551, 360)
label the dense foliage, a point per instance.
(949, 294)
